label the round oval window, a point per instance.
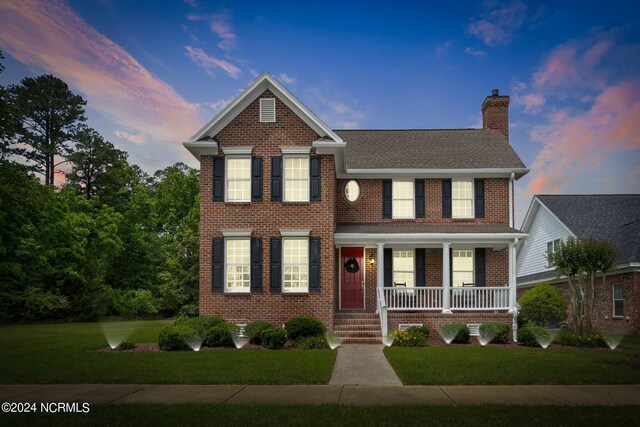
(352, 191)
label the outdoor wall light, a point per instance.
(372, 261)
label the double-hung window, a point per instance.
(403, 199)
(552, 247)
(296, 178)
(238, 183)
(462, 267)
(618, 301)
(295, 265)
(238, 265)
(462, 198)
(403, 268)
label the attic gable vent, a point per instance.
(267, 110)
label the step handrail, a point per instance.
(382, 311)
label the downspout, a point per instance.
(511, 206)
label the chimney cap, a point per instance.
(495, 92)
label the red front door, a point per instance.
(352, 290)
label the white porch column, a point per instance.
(446, 279)
(380, 266)
(512, 276)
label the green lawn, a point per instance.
(335, 415)
(459, 364)
(65, 353)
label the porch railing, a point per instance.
(382, 311)
(431, 298)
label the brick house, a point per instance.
(552, 219)
(363, 229)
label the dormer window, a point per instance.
(267, 110)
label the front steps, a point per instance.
(357, 328)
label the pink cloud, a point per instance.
(220, 25)
(208, 62)
(498, 24)
(46, 35)
(139, 138)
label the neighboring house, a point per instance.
(551, 219)
(363, 229)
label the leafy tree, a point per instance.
(580, 261)
(49, 114)
(95, 164)
(1, 66)
(8, 127)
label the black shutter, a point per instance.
(420, 265)
(419, 190)
(314, 175)
(217, 257)
(479, 197)
(386, 198)
(256, 264)
(275, 260)
(218, 179)
(276, 179)
(256, 179)
(446, 198)
(481, 267)
(314, 264)
(388, 267)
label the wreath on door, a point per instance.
(351, 265)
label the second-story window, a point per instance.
(238, 179)
(462, 198)
(403, 199)
(296, 178)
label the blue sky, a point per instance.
(153, 72)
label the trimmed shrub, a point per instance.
(569, 338)
(201, 324)
(302, 327)
(414, 336)
(126, 345)
(463, 336)
(174, 337)
(274, 338)
(497, 330)
(312, 343)
(543, 305)
(528, 335)
(254, 329)
(220, 335)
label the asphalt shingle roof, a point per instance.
(614, 217)
(428, 149)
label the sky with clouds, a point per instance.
(154, 72)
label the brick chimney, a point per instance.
(495, 113)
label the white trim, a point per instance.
(295, 150)
(236, 233)
(284, 177)
(226, 177)
(432, 173)
(345, 239)
(231, 151)
(511, 194)
(531, 213)
(201, 148)
(295, 233)
(413, 199)
(263, 82)
(473, 197)
(620, 269)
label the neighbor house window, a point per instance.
(552, 247)
(296, 265)
(462, 198)
(618, 304)
(403, 268)
(238, 179)
(462, 267)
(296, 178)
(238, 265)
(403, 194)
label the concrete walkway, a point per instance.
(363, 364)
(102, 394)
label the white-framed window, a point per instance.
(238, 177)
(352, 190)
(462, 267)
(552, 247)
(618, 300)
(296, 178)
(237, 265)
(462, 198)
(295, 266)
(403, 268)
(403, 199)
(267, 110)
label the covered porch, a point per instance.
(438, 268)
